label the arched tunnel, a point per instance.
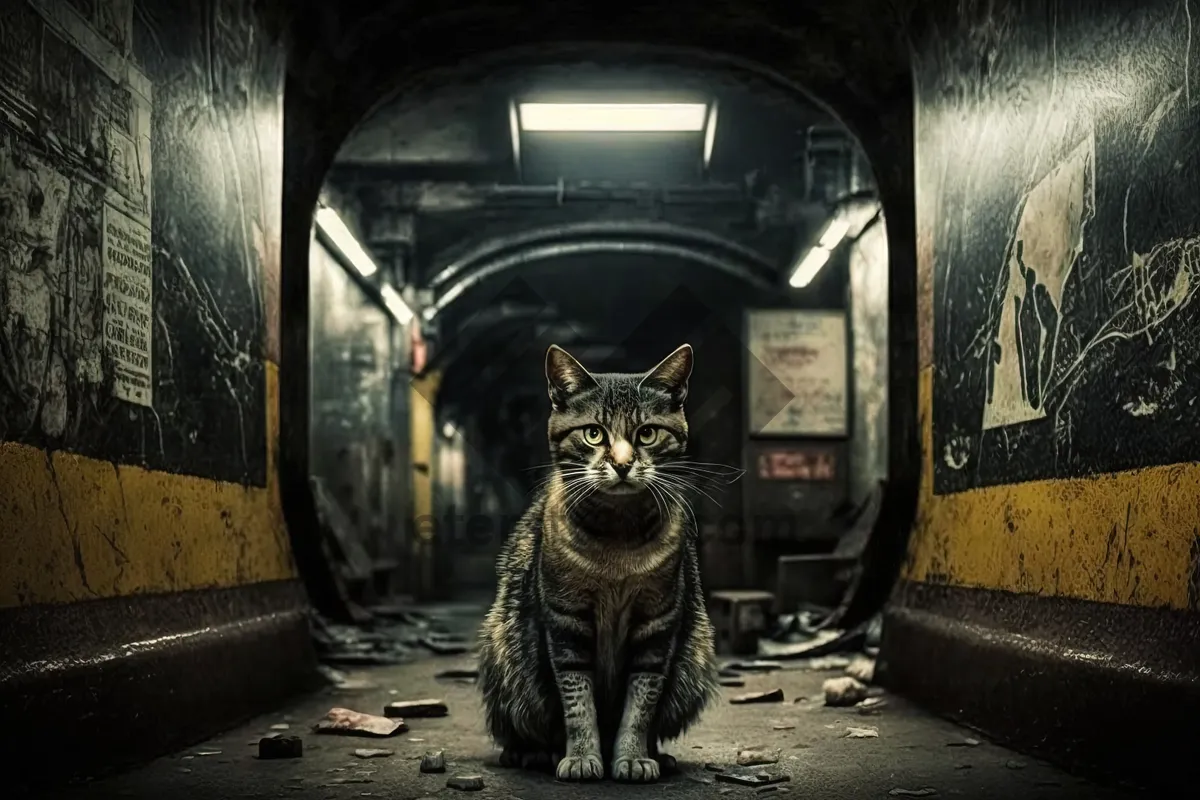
(390, 394)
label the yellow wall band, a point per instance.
(1115, 538)
(75, 528)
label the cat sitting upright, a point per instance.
(598, 646)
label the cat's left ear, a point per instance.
(672, 374)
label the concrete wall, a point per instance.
(869, 343)
(1054, 560)
(140, 175)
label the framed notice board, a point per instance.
(797, 384)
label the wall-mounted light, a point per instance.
(448, 430)
(396, 305)
(818, 256)
(613, 117)
(335, 230)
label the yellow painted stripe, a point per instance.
(1115, 538)
(74, 528)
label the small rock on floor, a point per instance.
(844, 691)
(367, 752)
(430, 707)
(757, 758)
(277, 746)
(773, 696)
(862, 669)
(862, 733)
(466, 783)
(434, 761)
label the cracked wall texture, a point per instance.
(167, 115)
(1059, 255)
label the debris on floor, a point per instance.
(844, 691)
(443, 648)
(824, 663)
(783, 727)
(280, 746)
(433, 761)
(773, 696)
(751, 778)
(466, 783)
(913, 792)
(280, 726)
(353, 723)
(872, 705)
(429, 707)
(862, 733)
(471, 675)
(862, 669)
(757, 758)
(369, 752)
(341, 681)
(732, 683)
(752, 666)
(968, 742)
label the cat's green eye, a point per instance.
(593, 435)
(647, 435)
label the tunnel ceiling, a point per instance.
(436, 174)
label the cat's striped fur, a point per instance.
(598, 645)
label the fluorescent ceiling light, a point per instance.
(395, 304)
(340, 236)
(835, 231)
(808, 268)
(613, 117)
(710, 134)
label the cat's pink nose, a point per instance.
(622, 452)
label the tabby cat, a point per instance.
(598, 645)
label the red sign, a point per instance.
(797, 465)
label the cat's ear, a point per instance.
(672, 374)
(565, 376)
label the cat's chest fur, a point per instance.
(613, 610)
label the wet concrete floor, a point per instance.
(912, 754)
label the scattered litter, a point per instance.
(872, 705)
(280, 726)
(369, 752)
(728, 673)
(913, 792)
(862, 733)
(466, 783)
(1014, 764)
(413, 739)
(964, 743)
(711, 767)
(754, 778)
(754, 666)
(356, 685)
(862, 669)
(443, 648)
(458, 674)
(962, 766)
(352, 723)
(773, 696)
(203, 753)
(701, 778)
(801, 699)
(784, 727)
(433, 761)
(733, 682)
(843, 691)
(279, 746)
(183, 770)
(416, 708)
(824, 663)
(344, 781)
(810, 646)
(757, 758)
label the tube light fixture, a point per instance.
(339, 235)
(835, 231)
(809, 266)
(396, 305)
(613, 117)
(710, 134)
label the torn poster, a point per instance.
(128, 306)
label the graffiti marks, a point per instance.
(1045, 245)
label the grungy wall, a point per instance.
(1059, 247)
(869, 328)
(139, 261)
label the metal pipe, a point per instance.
(735, 269)
(577, 230)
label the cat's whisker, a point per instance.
(686, 486)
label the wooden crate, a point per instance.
(740, 617)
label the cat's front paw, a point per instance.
(580, 768)
(635, 770)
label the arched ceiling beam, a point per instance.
(752, 273)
